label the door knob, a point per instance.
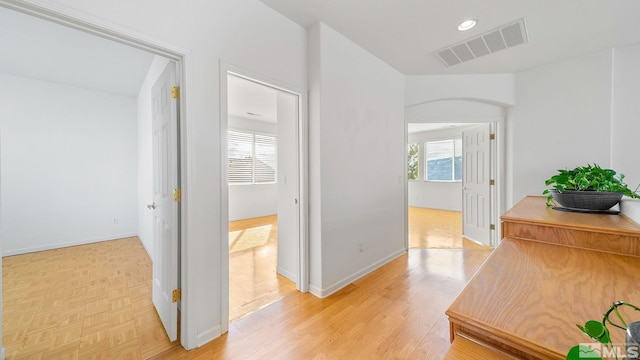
(151, 206)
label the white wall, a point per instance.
(491, 88)
(561, 120)
(69, 165)
(252, 200)
(626, 112)
(482, 98)
(145, 154)
(246, 34)
(578, 111)
(625, 124)
(248, 201)
(357, 161)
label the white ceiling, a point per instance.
(406, 33)
(413, 128)
(39, 49)
(250, 100)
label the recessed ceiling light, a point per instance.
(467, 25)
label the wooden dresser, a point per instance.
(552, 270)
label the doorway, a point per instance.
(443, 168)
(103, 34)
(263, 177)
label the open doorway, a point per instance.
(88, 180)
(263, 188)
(449, 126)
(452, 193)
(436, 186)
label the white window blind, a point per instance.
(444, 160)
(252, 158)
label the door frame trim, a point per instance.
(497, 168)
(98, 27)
(302, 281)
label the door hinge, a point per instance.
(177, 295)
(492, 136)
(175, 92)
(492, 227)
(492, 182)
(177, 195)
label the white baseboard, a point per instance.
(63, 245)
(324, 292)
(289, 275)
(144, 245)
(208, 335)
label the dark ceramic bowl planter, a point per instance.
(586, 200)
(633, 341)
(589, 188)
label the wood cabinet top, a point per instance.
(552, 270)
(532, 209)
(531, 294)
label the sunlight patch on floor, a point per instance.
(249, 238)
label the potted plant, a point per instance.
(589, 187)
(599, 332)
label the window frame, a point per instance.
(253, 134)
(452, 140)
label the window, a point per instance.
(444, 160)
(412, 159)
(252, 158)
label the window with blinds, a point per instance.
(252, 158)
(443, 160)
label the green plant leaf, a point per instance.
(596, 330)
(581, 352)
(591, 178)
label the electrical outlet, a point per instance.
(115, 220)
(361, 246)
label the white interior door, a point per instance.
(476, 188)
(165, 208)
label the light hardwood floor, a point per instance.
(437, 229)
(253, 247)
(394, 312)
(253, 258)
(93, 301)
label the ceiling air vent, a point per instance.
(504, 37)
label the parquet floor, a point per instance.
(83, 302)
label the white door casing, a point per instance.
(288, 187)
(165, 209)
(476, 188)
(300, 270)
